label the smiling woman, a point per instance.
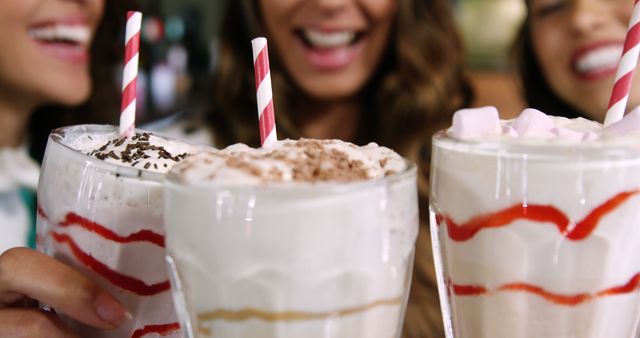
(332, 51)
(46, 58)
(385, 71)
(568, 53)
(45, 52)
(388, 71)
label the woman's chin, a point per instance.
(594, 113)
(70, 98)
(332, 90)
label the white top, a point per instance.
(17, 170)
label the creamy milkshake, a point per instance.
(304, 239)
(100, 211)
(536, 226)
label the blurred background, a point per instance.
(179, 43)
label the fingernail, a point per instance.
(109, 310)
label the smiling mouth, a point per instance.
(62, 34)
(328, 40)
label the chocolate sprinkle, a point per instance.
(138, 149)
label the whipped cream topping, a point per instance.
(142, 151)
(533, 125)
(304, 160)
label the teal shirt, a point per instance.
(29, 198)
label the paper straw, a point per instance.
(130, 73)
(626, 68)
(266, 115)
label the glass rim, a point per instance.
(408, 173)
(58, 135)
(539, 150)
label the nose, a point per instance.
(587, 15)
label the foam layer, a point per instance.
(305, 160)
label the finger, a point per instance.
(38, 276)
(32, 323)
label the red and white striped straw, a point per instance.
(626, 68)
(266, 114)
(130, 73)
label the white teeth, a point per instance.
(606, 57)
(329, 40)
(76, 34)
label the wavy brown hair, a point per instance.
(103, 103)
(534, 86)
(417, 86)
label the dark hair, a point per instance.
(536, 90)
(103, 104)
(417, 85)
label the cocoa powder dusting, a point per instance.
(243, 165)
(315, 163)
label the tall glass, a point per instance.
(106, 221)
(326, 260)
(536, 240)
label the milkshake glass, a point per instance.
(105, 219)
(536, 236)
(254, 256)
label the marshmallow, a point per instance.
(568, 134)
(590, 136)
(630, 123)
(475, 122)
(508, 131)
(533, 122)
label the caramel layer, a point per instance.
(286, 316)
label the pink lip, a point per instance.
(598, 74)
(332, 59)
(68, 53)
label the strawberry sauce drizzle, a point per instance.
(163, 330)
(557, 298)
(116, 278)
(468, 290)
(536, 213)
(633, 284)
(539, 213)
(41, 212)
(72, 219)
(570, 300)
(106, 233)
